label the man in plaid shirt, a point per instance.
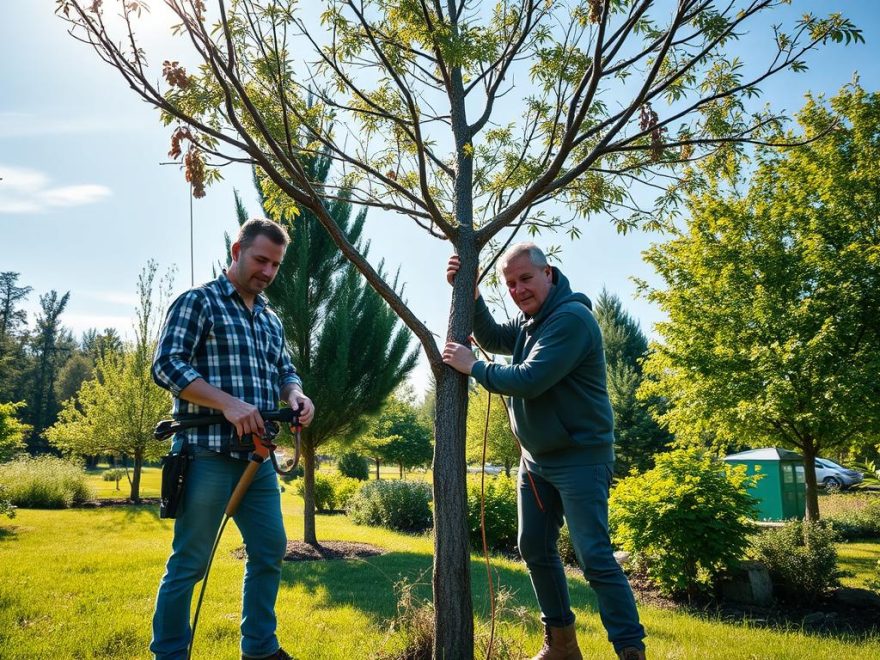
(222, 349)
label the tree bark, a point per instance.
(136, 477)
(308, 456)
(453, 613)
(810, 451)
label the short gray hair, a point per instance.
(536, 255)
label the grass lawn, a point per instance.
(859, 558)
(81, 584)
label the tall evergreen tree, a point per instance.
(50, 345)
(11, 337)
(343, 338)
(637, 437)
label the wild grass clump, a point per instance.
(413, 627)
(44, 482)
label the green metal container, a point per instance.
(780, 492)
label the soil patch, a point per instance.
(300, 551)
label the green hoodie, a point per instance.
(556, 389)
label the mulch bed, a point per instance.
(300, 551)
(117, 501)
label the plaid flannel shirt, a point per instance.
(210, 333)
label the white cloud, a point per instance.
(27, 125)
(24, 190)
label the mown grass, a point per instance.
(81, 584)
(859, 559)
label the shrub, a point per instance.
(353, 465)
(113, 475)
(324, 495)
(6, 508)
(801, 559)
(853, 515)
(400, 505)
(44, 482)
(566, 548)
(685, 520)
(501, 519)
(344, 488)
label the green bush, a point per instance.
(6, 508)
(324, 495)
(685, 520)
(801, 559)
(501, 520)
(566, 548)
(113, 474)
(853, 515)
(44, 482)
(344, 488)
(353, 465)
(332, 493)
(400, 505)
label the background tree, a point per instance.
(773, 297)
(12, 430)
(344, 340)
(407, 103)
(401, 435)
(637, 437)
(51, 345)
(13, 326)
(116, 412)
(502, 447)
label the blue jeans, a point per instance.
(580, 493)
(211, 480)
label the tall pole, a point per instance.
(192, 267)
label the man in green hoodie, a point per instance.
(559, 410)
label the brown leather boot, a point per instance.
(559, 644)
(631, 653)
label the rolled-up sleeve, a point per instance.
(185, 324)
(286, 371)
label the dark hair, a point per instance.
(261, 227)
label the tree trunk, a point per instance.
(401, 472)
(377, 468)
(810, 451)
(308, 456)
(453, 613)
(136, 477)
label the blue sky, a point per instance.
(84, 201)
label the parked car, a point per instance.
(834, 476)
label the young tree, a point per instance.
(415, 104)
(773, 297)
(501, 445)
(401, 436)
(637, 437)
(12, 430)
(117, 411)
(344, 340)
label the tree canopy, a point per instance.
(773, 297)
